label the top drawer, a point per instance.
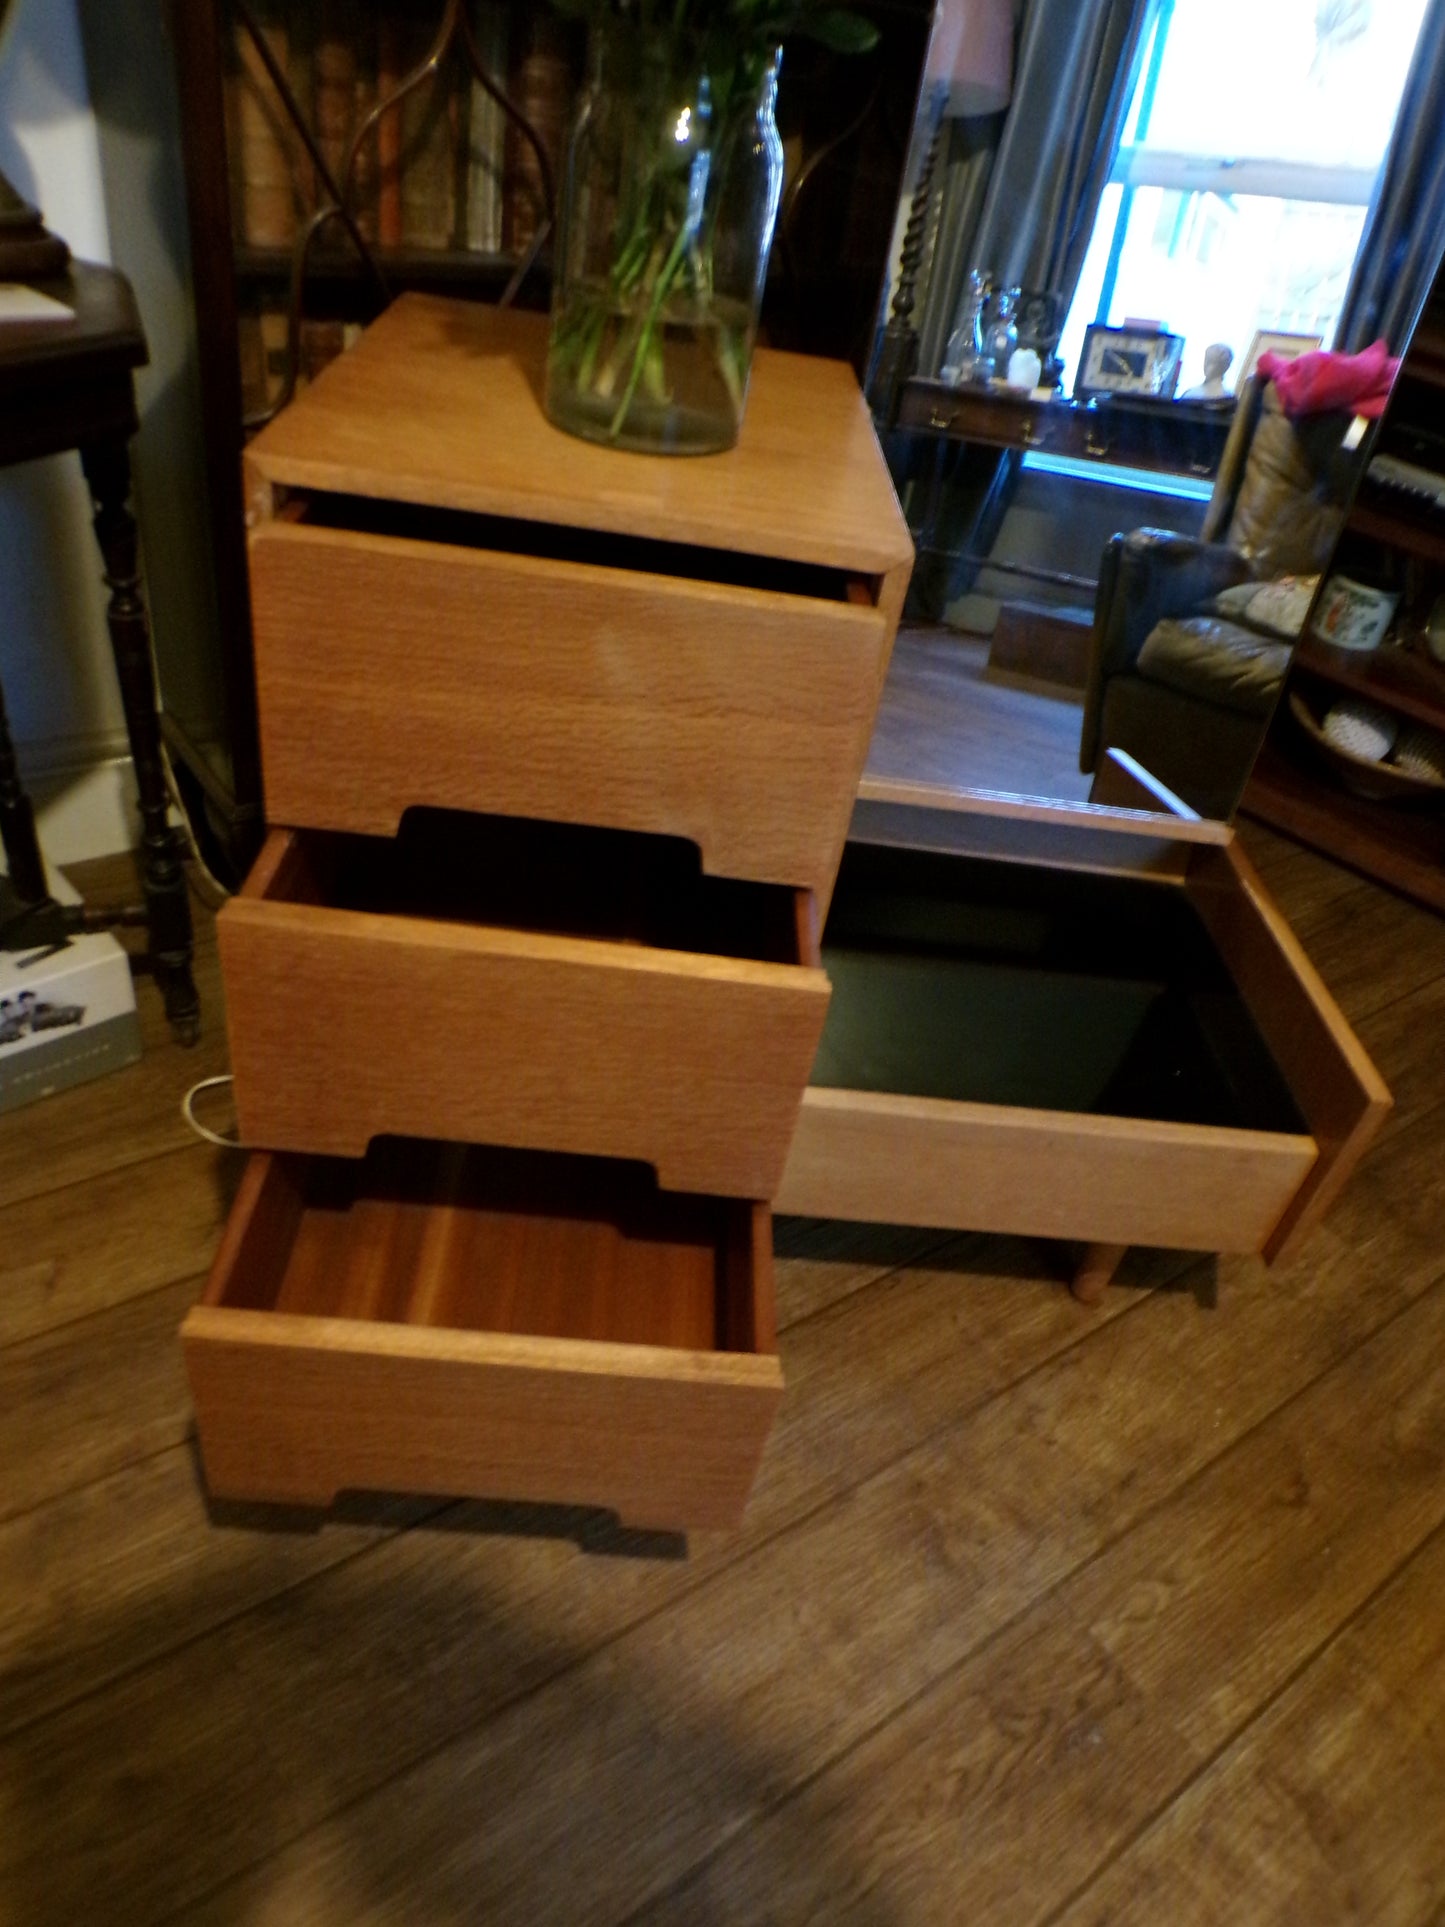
(409, 656)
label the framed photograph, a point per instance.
(1266, 341)
(1128, 361)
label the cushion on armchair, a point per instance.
(1216, 662)
(1290, 503)
(1276, 608)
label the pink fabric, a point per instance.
(1322, 380)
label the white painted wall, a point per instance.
(55, 660)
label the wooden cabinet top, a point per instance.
(439, 404)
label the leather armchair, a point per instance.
(1184, 689)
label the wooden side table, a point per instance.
(63, 387)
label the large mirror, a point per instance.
(1155, 267)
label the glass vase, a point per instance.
(668, 204)
(1003, 334)
(963, 360)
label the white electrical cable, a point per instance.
(188, 1113)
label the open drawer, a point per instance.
(450, 1320)
(409, 656)
(1079, 1024)
(528, 984)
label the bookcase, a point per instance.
(1393, 539)
(448, 193)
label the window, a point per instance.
(1249, 155)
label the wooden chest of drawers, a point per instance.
(525, 993)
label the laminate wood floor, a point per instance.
(946, 717)
(1039, 1613)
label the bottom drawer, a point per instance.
(445, 1319)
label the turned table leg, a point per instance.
(107, 471)
(1096, 1269)
(17, 825)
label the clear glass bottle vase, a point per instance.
(666, 219)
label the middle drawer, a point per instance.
(536, 985)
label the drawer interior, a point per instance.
(551, 542)
(558, 878)
(462, 1238)
(1008, 984)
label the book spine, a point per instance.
(390, 70)
(301, 73)
(251, 353)
(274, 328)
(364, 177)
(270, 187)
(542, 90)
(429, 149)
(335, 84)
(486, 147)
(321, 342)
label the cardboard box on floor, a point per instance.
(66, 1015)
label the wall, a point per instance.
(54, 653)
(130, 60)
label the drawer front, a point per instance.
(296, 1408)
(1045, 1174)
(393, 672)
(345, 1026)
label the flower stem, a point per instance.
(662, 287)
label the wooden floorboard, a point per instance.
(1109, 1693)
(1315, 1812)
(1026, 1595)
(849, 1615)
(947, 718)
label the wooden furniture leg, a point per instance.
(1096, 1270)
(23, 861)
(107, 472)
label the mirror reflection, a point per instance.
(1157, 263)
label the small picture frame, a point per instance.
(1267, 342)
(1128, 361)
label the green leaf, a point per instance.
(835, 27)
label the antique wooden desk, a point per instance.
(1167, 438)
(70, 386)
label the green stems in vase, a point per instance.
(670, 196)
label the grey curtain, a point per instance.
(1404, 234)
(969, 150)
(1021, 192)
(1022, 206)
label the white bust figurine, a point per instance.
(1217, 358)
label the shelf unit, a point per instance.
(1398, 542)
(1402, 848)
(1400, 678)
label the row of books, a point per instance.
(263, 343)
(446, 169)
